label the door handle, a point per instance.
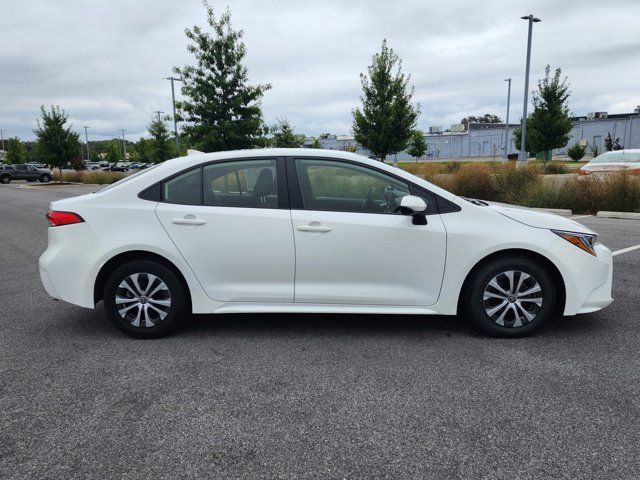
(188, 220)
(313, 228)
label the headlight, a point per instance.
(584, 241)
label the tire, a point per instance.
(165, 288)
(5, 179)
(496, 300)
(46, 178)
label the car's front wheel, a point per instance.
(145, 299)
(509, 297)
(46, 178)
(5, 179)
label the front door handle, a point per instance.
(313, 227)
(188, 220)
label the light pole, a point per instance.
(124, 145)
(173, 99)
(86, 137)
(158, 112)
(2, 138)
(523, 149)
(506, 127)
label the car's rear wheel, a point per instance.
(509, 297)
(46, 178)
(145, 299)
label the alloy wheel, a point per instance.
(512, 298)
(143, 300)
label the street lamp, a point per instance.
(173, 98)
(2, 138)
(506, 127)
(523, 150)
(158, 112)
(124, 145)
(86, 137)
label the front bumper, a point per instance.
(587, 278)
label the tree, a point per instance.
(417, 145)
(113, 153)
(386, 120)
(160, 145)
(221, 110)
(56, 144)
(486, 118)
(549, 124)
(16, 153)
(283, 136)
(610, 144)
(316, 144)
(576, 152)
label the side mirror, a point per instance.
(415, 207)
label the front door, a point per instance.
(231, 222)
(352, 247)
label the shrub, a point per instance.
(621, 193)
(89, 177)
(581, 195)
(576, 152)
(556, 168)
(512, 183)
(475, 181)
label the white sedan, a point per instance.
(614, 161)
(304, 230)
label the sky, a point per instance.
(103, 61)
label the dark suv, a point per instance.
(24, 172)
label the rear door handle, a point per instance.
(313, 228)
(188, 220)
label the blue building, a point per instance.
(488, 139)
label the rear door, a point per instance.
(352, 246)
(231, 222)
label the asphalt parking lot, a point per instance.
(309, 396)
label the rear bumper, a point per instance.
(67, 265)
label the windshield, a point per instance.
(621, 156)
(126, 179)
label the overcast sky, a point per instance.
(104, 61)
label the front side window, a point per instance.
(184, 188)
(244, 183)
(343, 187)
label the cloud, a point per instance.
(104, 62)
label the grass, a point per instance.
(524, 186)
(90, 177)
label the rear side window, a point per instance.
(246, 183)
(184, 189)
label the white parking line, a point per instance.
(580, 216)
(625, 250)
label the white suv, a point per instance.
(304, 230)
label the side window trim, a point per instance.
(283, 191)
(295, 193)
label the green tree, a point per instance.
(417, 145)
(486, 118)
(316, 144)
(16, 153)
(56, 144)
(576, 151)
(549, 124)
(386, 120)
(113, 153)
(161, 147)
(283, 135)
(221, 109)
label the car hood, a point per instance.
(537, 219)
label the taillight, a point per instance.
(57, 219)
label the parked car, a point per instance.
(304, 230)
(614, 161)
(134, 165)
(24, 171)
(115, 168)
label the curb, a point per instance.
(625, 215)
